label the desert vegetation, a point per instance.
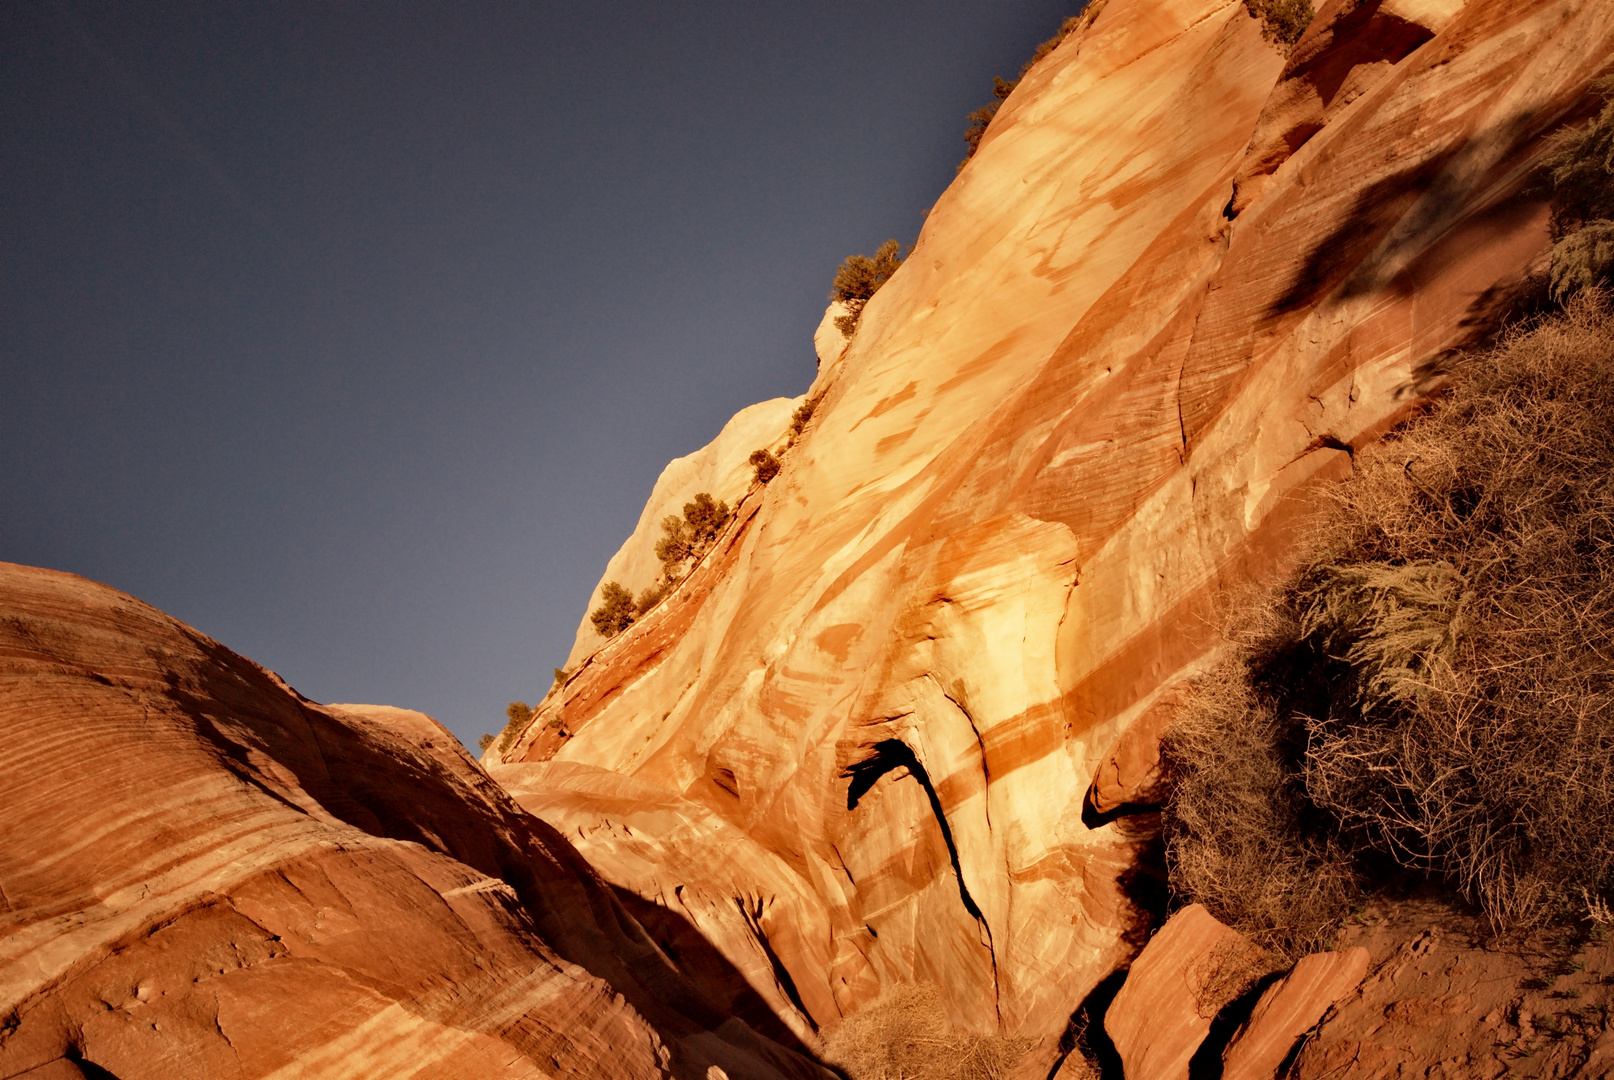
(1580, 174)
(858, 278)
(765, 465)
(904, 1035)
(1432, 690)
(980, 119)
(617, 610)
(1282, 21)
(800, 418)
(518, 715)
(684, 540)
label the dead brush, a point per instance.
(904, 1035)
(1435, 684)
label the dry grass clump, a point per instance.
(1434, 687)
(1242, 837)
(904, 1035)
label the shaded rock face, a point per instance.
(204, 874)
(1097, 394)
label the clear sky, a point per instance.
(355, 334)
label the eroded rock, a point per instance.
(206, 875)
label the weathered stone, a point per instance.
(204, 874)
(1189, 970)
(1087, 405)
(1288, 1009)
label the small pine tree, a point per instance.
(673, 547)
(483, 742)
(518, 714)
(616, 611)
(765, 464)
(981, 118)
(560, 675)
(859, 277)
(705, 518)
(686, 539)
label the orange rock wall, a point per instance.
(1098, 394)
(205, 875)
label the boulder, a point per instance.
(1288, 1009)
(1190, 969)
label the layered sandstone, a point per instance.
(204, 874)
(719, 468)
(1101, 391)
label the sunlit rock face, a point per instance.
(854, 748)
(719, 469)
(204, 874)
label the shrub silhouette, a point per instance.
(518, 715)
(483, 742)
(616, 611)
(1431, 690)
(859, 277)
(560, 676)
(766, 465)
(799, 418)
(980, 119)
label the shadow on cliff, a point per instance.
(893, 754)
(1414, 210)
(421, 786)
(687, 947)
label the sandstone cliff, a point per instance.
(206, 875)
(719, 468)
(1183, 280)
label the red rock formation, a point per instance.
(1444, 997)
(1288, 1009)
(206, 875)
(1089, 402)
(1180, 981)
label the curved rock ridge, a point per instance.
(720, 468)
(206, 875)
(1101, 391)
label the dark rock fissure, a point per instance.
(891, 754)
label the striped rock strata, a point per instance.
(859, 738)
(205, 875)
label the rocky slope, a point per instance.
(204, 874)
(1185, 278)
(719, 468)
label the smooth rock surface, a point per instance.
(1288, 1009)
(719, 468)
(1189, 970)
(1088, 404)
(205, 875)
